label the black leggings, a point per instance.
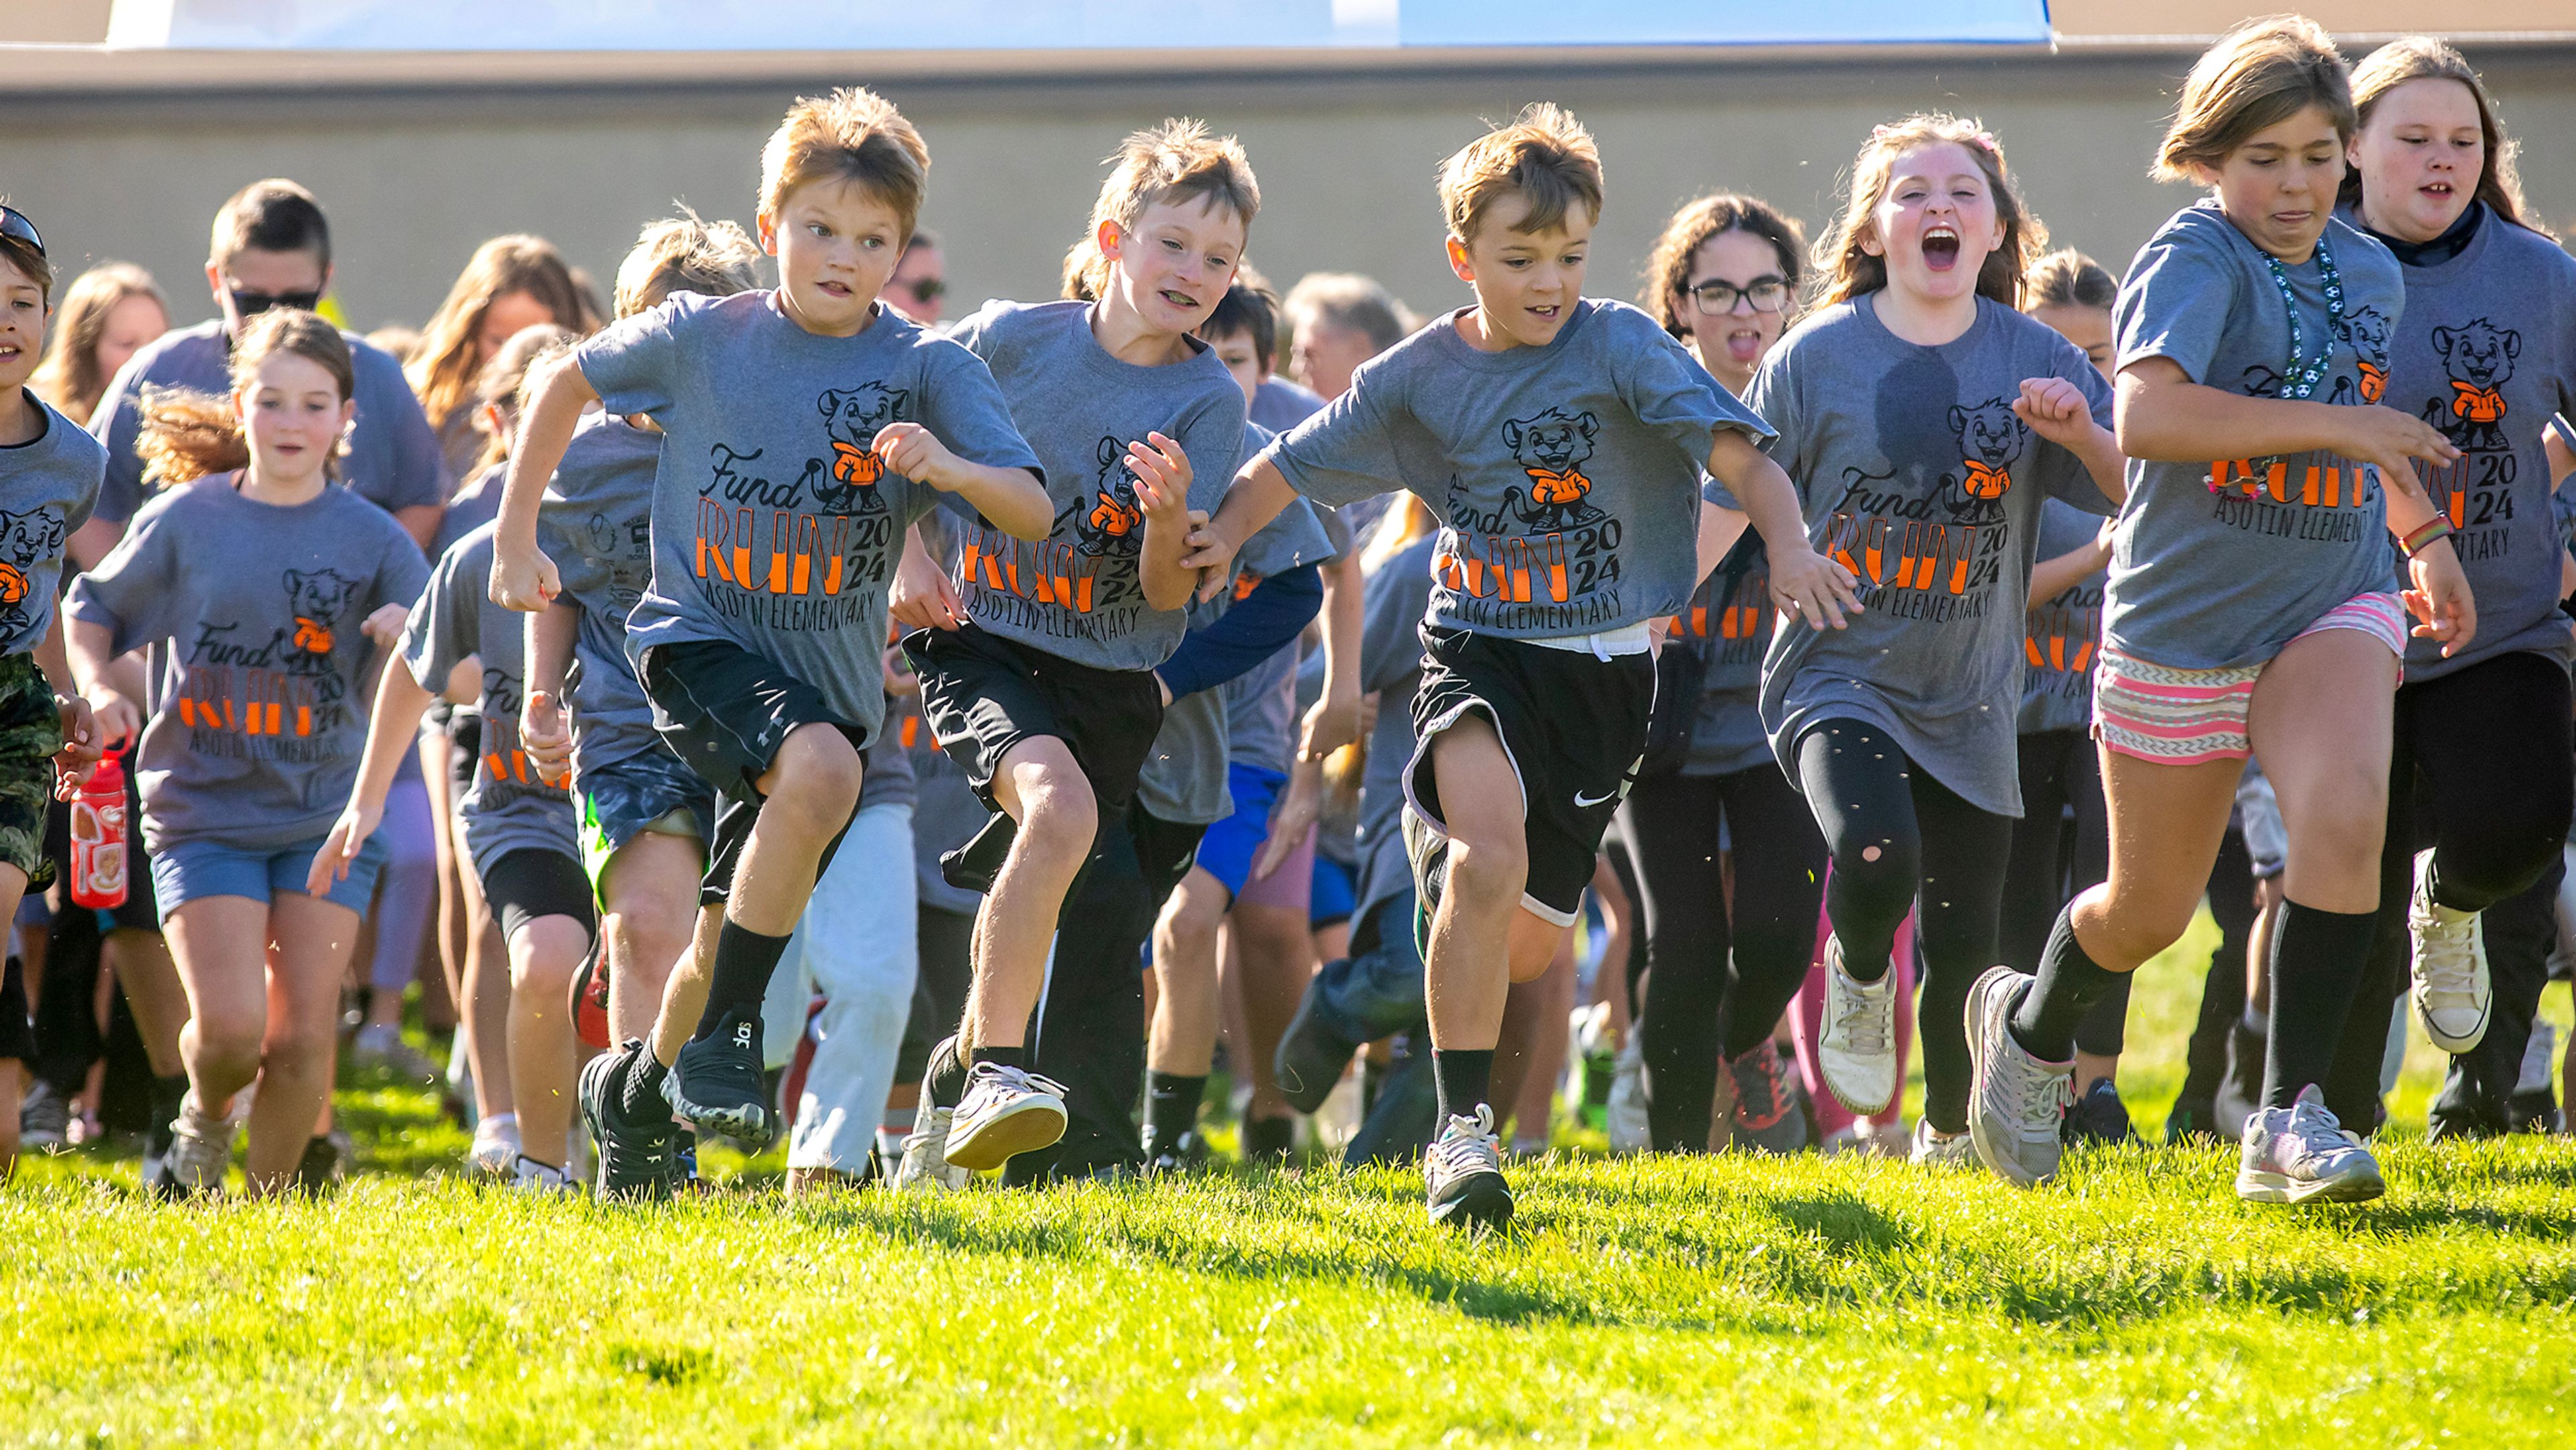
(1717, 986)
(2483, 770)
(2050, 865)
(1897, 834)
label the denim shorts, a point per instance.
(182, 871)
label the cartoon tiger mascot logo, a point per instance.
(317, 599)
(1991, 438)
(1551, 450)
(2366, 333)
(1109, 522)
(24, 540)
(2479, 360)
(852, 418)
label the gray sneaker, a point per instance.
(1007, 1111)
(201, 1149)
(925, 1167)
(44, 1119)
(2301, 1154)
(1856, 1052)
(2016, 1103)
(1462, 1174)
(2451, 990)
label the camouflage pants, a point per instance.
(31, 731)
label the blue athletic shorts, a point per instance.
(182, 871)
(1336, 894)
(1226, 851)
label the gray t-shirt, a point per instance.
(1077, 593)
(1261, 705)
(2217, 565)
(1918, 477)
(1392, 607)
(1729, 621)
(476, 502)
(48, 485)
(1280, 405)
(2487, 354)
(511, 806)
(1566, 477)
(2062, 632)
(774, 526)
(393, 460)
(596, 523)
(252, 614)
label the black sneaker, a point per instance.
(324, 1164)
(636, 1161)
(1269, 1140)
(1427, 849)
(44, 1119)
(1312, 1057)
(1184, 1154)
(2098, 1117)
(973, 866)
(717, 1086)
(2194, 1123)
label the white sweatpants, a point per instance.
(858, 947)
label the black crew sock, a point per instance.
(739, 975)
(2070, 982)
(1462, 1078)
(2317, 961)
(1002, 1057)
(1172, 1105)
(945, 1077)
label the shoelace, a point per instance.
(1467, 1145)
(2315, 1133)
(1770, 1083)
(2450, 973)
(1863, 1023)
(2036, 1101)
(1020, 1079)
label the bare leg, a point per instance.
(651, 890)
(544, 1051)
(1042, 789)
(1183, 1037)
(1271, 945)
(310, 941)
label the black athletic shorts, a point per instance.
(1574, 726)
(17, 1033)
(983, 694)
(464, 753)
(531, 882)
(726, 711)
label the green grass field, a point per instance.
(1639, 1301)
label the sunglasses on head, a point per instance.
(251, 304)
(14, 223)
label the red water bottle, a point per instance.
(98, 838)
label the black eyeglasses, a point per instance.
(14, 223)
(928, 289)
(1716, 299)
(251, 304)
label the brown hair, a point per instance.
(2068, 278)
(2257, 76)
(2421, 57)
(188, 435)
(275, 215)
(1849, 268)
(443, 365)
(1247, 308)
(1699, 223)
(1175, 162)
(686, 253)
(851, 135)
(69, 378)
(31, 262)
(1544, 155)
(503, 383)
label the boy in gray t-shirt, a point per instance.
(1561, 443)
(803, 430)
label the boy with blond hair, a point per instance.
(1037, 659)
(804, 429)
(1560, 440)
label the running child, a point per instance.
(2252, 605)
(2486, 354)
(260, 584)
(1037, 665)
(49, 478)
(803, 431)
(1925, 420)
(1561, 440)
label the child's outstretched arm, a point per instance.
(2161, 415)
(523, 577)
(1258, 494)
(2056, 410)
(542, 729)
(1803, 582)
(1012, 498)
(400, 702)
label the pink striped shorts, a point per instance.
(2188, 717)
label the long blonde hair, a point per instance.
(70, 377)
(504, 381)
(2421, 57)
(188, 434)
(443, 367)
(1851, 271)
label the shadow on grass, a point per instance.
(1846, 1221)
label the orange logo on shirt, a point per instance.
(312, 636)
(853, 464)
(2374, 381)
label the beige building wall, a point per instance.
(414, 178)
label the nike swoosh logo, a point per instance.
(1584, 802)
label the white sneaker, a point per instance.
(1933, 1150)
(2016, 1103)
(1626, 1110)
(1462, 1174)
(2449, 964)
(495, 1154)
(201, 1148)
(542, 1180)
(924, 1167)
(2300, 1154)
(1857, 1051)
(1007, 1111)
